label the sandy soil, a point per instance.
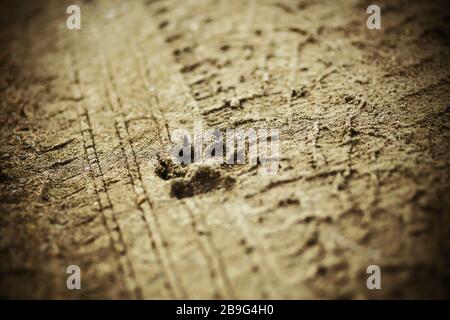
(364, 175)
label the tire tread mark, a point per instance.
(203, 247)
(196, 110)
(109, 219)
(209, 245)
(254, 240)
(143, 202)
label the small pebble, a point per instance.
(235, 103)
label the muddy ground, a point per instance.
(86, 117)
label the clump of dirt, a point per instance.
(200, 179)
(167, 170)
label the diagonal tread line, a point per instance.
(100, 187)
(220, 261)
(203, 247)
(142, 200)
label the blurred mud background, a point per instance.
(364, 176)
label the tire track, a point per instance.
(198, 235)
(159, 244)
(242, 225)
(105, 206)
(208, 242)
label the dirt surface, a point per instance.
(86, 117)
